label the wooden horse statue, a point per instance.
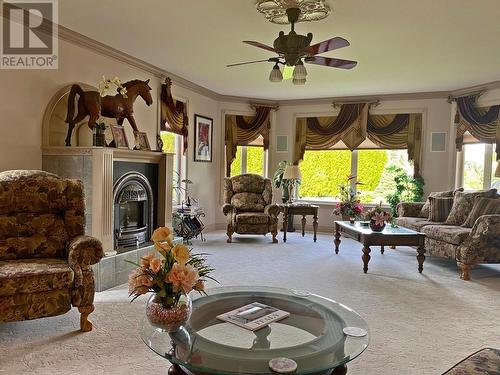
(90, 103)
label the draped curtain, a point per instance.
(353, 125)
(173, 116)
(482, 123)
(242, 130)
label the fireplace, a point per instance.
(133, 210)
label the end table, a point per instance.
(302, 209)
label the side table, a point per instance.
(302, 209)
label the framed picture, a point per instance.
(203, 133)
(141, 141)
(119, 137)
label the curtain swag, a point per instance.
(353, 125)
(173, 116)
(482, 123)
(242, 130)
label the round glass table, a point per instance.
(312, 335)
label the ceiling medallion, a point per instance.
(310, 10)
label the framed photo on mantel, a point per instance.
(203, 135)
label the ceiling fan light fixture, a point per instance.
(276, 75)
(300, 71)
(299, 81)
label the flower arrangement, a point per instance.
(106, 83)
(349, 205)
(176, 273)
(378, 218)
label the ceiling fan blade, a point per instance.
(260, 45)
(334, 63)
(248, 62)
(328, 45)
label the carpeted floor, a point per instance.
(419, 324)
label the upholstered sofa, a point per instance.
(45, 258)
(468, 246)
(248, 206)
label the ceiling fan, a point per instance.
(294, 49)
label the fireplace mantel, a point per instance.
(94, 166)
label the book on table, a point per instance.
(253, 316)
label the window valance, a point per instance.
(173, 116)
(481, 122)
(353, 125)
(242, 130)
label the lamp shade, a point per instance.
(292, 172)
(300, 71)
(299, 81)
(276, 75)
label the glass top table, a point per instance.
(312, 335)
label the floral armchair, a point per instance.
(248, 207)
(44, 257)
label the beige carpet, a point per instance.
(419, 324)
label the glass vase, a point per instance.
(169, 319)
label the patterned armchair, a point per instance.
(248, 207)
(44, 257)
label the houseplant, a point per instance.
(350, 206)
(280, 182)
(378, 218)
(408, 188)
(170, 278)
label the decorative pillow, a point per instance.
(439, 209)
(424, 212)
(463, 203)
(482, 206)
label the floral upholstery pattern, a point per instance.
(447, 233)
(411, 209)
(248, 206)
(483, 362)
(44, 257)
(463, 203)
(466, 246)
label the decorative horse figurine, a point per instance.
(90, 103)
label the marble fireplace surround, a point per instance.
(94, 166)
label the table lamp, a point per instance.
(292, 174)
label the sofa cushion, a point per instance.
(252, 218)
(447, 233)
(28, 235)
(248, 202)
(413, 223)
(463, 203)
(439, 208)
(34, 275)
(424, 212)
(482, 206)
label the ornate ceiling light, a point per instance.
(310, 10)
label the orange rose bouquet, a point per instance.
(173, 272)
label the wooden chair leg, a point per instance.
(85, 323)
(464, 270)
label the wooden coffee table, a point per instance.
(397, 236)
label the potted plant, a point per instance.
(378, 218)
(170, 277)
(280, 182)
(408, 188)
(349, 207)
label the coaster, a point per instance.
(283, 365)
(354, 331)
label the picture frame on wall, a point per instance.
(203, 137)
(119, 137)
(141, 141)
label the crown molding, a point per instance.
(475, 89)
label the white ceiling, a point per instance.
(402, 46)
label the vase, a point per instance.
(376, 228)
(169, 319)
(348, 218)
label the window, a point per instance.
(173, 143)
(479, 165)
(250, 159)
(323, 171)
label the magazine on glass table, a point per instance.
(253, 316)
